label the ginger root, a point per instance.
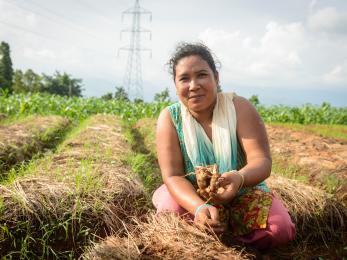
(208, 180)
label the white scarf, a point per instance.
(224, 142)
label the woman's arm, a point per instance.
(252, 135)
(172, 170)
(171, 164)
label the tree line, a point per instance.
(18, 81)
(121, 94)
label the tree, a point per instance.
(254, 100)
(121, 94)
(18, 83)
(62, 84)
(163, 96)
(138, 100)
(27, 82)
(33, 81)
(107, 96)
(6, 70)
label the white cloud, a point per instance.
(257, 46)
(328, 19)
(276, 54)
(286, 54)
(337, 75)
(40, 54)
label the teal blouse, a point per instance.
(175, 112)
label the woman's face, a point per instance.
(196, 84)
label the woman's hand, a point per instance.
(231, 184)
(208, 217)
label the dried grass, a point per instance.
(21, 140)
(163, 236)
(85, 185)
(41, 200)
(320, 218)
(317, 215)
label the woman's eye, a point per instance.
(202, 75)
(183, 79)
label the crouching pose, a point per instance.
(208, 127)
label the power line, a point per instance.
(65, 19)
(55, 39)
(28, 31)
(94, 10)
(39, 14)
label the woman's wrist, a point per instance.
(241, 178)
(197, 210)
(242, 181)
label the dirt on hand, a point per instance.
(208, 180)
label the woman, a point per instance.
(207, 127)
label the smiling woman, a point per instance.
(196, 84)
(224, 130)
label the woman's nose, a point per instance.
(193, 85)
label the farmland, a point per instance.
(87, 174)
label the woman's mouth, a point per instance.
(195, 97)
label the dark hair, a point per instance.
(185, 49)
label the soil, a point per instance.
(20, 133)
(319, 157)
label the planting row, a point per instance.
(86, 190)
(21, 140)
(65, 200)
(320, 222)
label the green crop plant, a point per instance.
(306, 114)
(80, 108)
(75, 108)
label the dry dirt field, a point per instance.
(319, 158)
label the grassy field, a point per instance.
(82, 171)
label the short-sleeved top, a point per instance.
(175, 112)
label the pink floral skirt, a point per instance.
(263, 223)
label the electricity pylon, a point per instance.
(133, 75)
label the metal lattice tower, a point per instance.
(133, 75)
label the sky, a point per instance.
(286, 52)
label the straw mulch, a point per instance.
(83, 191)
(320, 222)
(164, 236)
(318, 216)
(19, 141)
